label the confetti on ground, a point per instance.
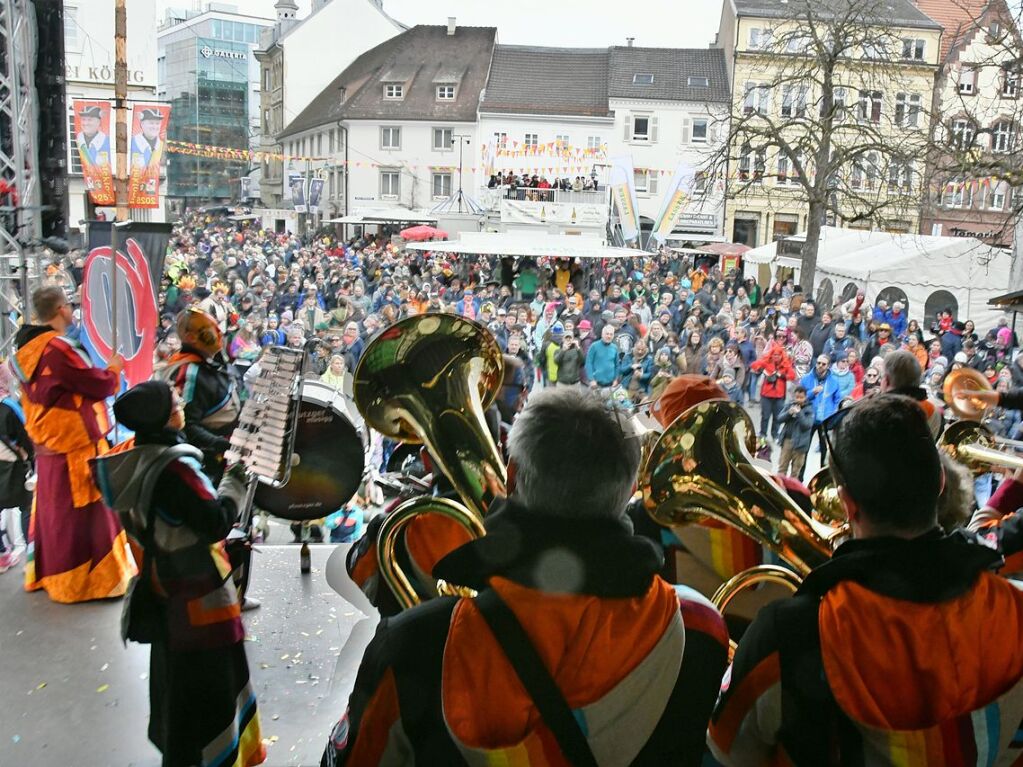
(298, 655)
(103, 688)
(104, 667)
(285, 656)
(251, 638)
(319, 632)
(303, 633)
(18, 634)
(264, 665)
(143, 676)
(93, 647)
(16, 738)
(275, 717)
(41, 685)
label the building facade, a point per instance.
(977, 98)
(881, 97)
(89, 46)
(386, 133)
(209, 74)
(299, 58)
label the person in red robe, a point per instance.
(79, 549)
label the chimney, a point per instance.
(451, 26)
(629, 41)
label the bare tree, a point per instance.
(846, 134)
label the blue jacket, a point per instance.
(825, 403)
(846, 383)
(646, 371)
(602, 362)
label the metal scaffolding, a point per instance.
(20, 214)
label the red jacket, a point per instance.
(777, 368)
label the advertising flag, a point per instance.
(141, 252)
(92, 137)
(623, 190)
(315, 192)
(674, 202)
(145, 153)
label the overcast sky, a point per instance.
(569, 23)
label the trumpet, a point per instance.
(429, 379)
(973, 444)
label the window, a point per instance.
(963, 134)
(319, 145)
(500, 139)
(958, 193)
(995, 31)
(642, 79)
(798, 43)
(759, 165)
(390, 184)
(561, 140)
(700, 183)
(870, 181)
(445, 93)
(751, 164)
(390, 138)
(699, 135)
(266, 122)
(793, 100)
(907, 110)
(788, 173)
(71, 28)
(913, 49)
(646, 181)
(532, 139)
(394, 91)
(757, 99)
(644, 128)
(760, 38)
(875, 49)
(870, 106)
(1010, 85)
(593, 142)
(996, 196)
(900, 177)
(441, 185)
(1002, 138)
(967, 81)
(839, 100)
(698, 82)
(330, 141)
(443, 139)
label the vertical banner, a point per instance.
(145, 153)
(143, 247)
(92, 136)
(245, 188)
(315, 192)
(298, 193)
(674, 202)
(623, 190)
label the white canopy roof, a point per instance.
(918, 265)
(391, 215)
(531, 245)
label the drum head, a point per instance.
(331, 459)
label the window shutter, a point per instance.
(628, 127)
(651, 183)
(653, 130)
(686, 130)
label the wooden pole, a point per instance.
(121, 148)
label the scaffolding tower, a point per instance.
(20, 211)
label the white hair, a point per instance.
(572, 456)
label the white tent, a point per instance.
(528, 245)
(928, 273)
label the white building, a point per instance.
(671, 106)
(89, 55)
(388, 130)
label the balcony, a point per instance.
(553, 210)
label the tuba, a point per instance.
(701, 468)
(974, 445)
(428, 380)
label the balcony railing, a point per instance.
(491, 197)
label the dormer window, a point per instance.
(698, 82)
(445, 93)
(642, 79)
(394, 91)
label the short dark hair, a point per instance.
(799, 389)
(885, 457)
(46, 302)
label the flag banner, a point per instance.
(315, 192)
(141, 250)
(297, 185)
(146, 152)
(92, 137)
(623, 190)
(675, 200)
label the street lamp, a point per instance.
(463, 141)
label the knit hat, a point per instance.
(585, 325)
(682, 393)
(144, 408)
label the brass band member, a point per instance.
(903, 648)
(627, 666)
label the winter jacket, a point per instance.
(777, 370)
(602, 363)
(798, 427)
(846, 382)
(570, 363)
(825, 403)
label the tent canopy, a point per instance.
(531, 246)
(392, 215)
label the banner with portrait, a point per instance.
(623, 192)
(297, 185)
(315, 193)
(93, 140)
(146, 150)
(675, 199)
(141, 250)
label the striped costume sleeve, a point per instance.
(185, 495)
(746, 722)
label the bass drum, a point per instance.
(330, 456)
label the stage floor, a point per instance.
(74, 695)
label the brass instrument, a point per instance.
(972, 443)
(827, 506)
(701, 468)
(958, 386)
(429, 379)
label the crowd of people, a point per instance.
(590, 641)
